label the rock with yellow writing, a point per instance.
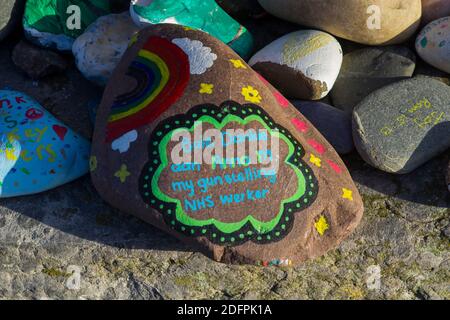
(302, 64)
(401, 126)
(190, 139)
(37, 152)
(373, 22)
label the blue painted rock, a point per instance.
(334, 124)
(302, 65)
(178, 92)
(37, 152)
(99, 49)
(433, 44)
(205, 15)
(57, 23)
(403, 125)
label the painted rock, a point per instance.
(433, 44)
(37, 152)
(366, 70)
(334, 124)
(57, 23)
(372, 22)
(99, 49)
(179, 92)
(10, 15)
(434, 9)
(302, 64)
(401, 126)
(205, 15)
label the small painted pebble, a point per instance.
(99, 49)
(302, 65)
(433, 44)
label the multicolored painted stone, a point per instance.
(99, 49)
(37, 152)
(403, 125)
(434, 9)
(433, 44)
(372, 22)
(57, 23)
(205, 15)
(302, 65)
(190, 139)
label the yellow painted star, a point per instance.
(238, 64)
(321, 225)
(315, 160)
(206, 88)
(251, 94)
(347, 194)
(123, 173)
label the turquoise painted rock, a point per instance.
(205, 15)
(37, 152)
(57, 23)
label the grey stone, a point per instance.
(36, 62)
(10, 15)
(366, 70)
(400, 127)
(334, 124)
(423, 69)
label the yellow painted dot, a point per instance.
(206, 88)
(251, 94)
(347, 194)
(321, 225)
(93, 163)
(315, 160)
(238, 64)
(123, 173)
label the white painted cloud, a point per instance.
(200, 57)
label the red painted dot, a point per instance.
(334, 166)
(300, 125)
(317, 146)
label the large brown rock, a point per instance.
(434, 9)
(174, 82)
(355, 20)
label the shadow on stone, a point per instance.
(425, 185)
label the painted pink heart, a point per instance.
(60, 131)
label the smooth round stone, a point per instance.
(334, 124)
(302, 64)
(379, 22)
(174, 82)
(433, 44)
(57, 23)
(366, 70)
(205, 15)
(99, 49)
(434, 9)
(401, 126)
(423, 69)
(10, 14)
(37, 152)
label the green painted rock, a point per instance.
(10, 14)
(170, 147)
(57, 23)
(204, 15)
(366, 70)
(401, 126)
